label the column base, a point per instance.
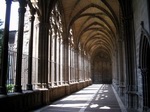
(3, 90)
(146, 109)
(29, 87)
(121, 90)
(18, 88)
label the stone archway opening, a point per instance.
(147, 76)
(144, 60)
(148, 73)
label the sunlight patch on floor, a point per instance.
(105, 107)
(79, 105)
(94, 105)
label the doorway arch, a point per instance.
(102, 69)
(144, 65)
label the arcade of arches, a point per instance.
(62, 46)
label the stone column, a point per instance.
(29, 85)
(73, 64)
(69, 63)
(49, 56)
(35, 53)
(131, 88)
(43, 54)
(55, 56)
(71, 73)
(52, 56)
(83, 71)
(80, 65)
(131, 96)
(65, 61)
(76, 63)
(59, 59)
(61, 63)
(117, 70)
(85, 66)
(114, 69)
(45, 10)
(145, 79)
(89, 69)
(4, 58)
(121, 72)
(22, 10)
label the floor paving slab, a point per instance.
(94, 98)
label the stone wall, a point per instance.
(102, 69)
(140, 13)
(30, 100)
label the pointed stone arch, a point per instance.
(144, 65)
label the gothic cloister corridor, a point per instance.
(75, 55)
(94, 98)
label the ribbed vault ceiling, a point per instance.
(94, 24)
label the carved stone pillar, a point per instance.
(4, 62)
(121, 72)
(65, 61)
(89, 69)
(86, 68)
(52, 55)
(45, 10)
(55, 55)
(59, 60)
(117, 70)
(35, 52)
(145, 79)
(29, 85)
(43, 54)
(73, 64)
(70, 67)
(61, 63)
(80, 65)
(83, 71)
(131, 88)
(22, 10)
(76, 64)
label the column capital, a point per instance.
(22, 9)
(22, 2)
(8, 1)
(82, 53)
(31, 18)
(65, 41)
(22, 5)
(32, 11)
(76, 50)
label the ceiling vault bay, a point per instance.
(95, 24)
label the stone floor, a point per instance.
(95, 98)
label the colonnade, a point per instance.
(58, 61)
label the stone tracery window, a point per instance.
(55, 47)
